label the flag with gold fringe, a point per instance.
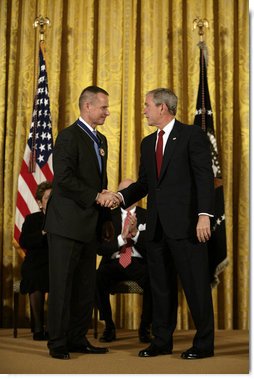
(217, 247)
(36, 166)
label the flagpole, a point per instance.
(217, 245)
(35, 170)
(41, 22)
(201, 24)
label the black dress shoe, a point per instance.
(109, 335)
(59, 353)
(88, 349)
(153, 351)
(194, 353)
(144, 334)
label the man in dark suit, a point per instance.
(129, 226)
(176, 173)
(73, 223)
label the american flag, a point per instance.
(217, 248)
(36, 166)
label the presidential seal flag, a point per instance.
(36, 166)
(217, 247)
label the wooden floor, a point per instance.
(22, 355)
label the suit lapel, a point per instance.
(103, 157)
(172, 142)
(117, 220)
(152, 148)
(90, 144)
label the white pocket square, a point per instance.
(142, 227)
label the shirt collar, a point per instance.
(124, 211)
(167, 129)
(84, 122)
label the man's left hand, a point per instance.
(203, 228)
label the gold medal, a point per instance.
(102, 152)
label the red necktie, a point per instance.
(159, 152)
(126, 250)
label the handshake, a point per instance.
(109, 199)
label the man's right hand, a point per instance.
(108, 199)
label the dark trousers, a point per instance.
(189, 259)
(72, 275)
(110, 273)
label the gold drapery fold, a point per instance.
(129, 47)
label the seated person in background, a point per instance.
(35, 268)
(115, 266)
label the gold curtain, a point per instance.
(129, 47)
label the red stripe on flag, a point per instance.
(22, 205)
(47, 172)
(28, 178)
(16, 233)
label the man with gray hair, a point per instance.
(176, 173)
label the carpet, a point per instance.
(22, 355)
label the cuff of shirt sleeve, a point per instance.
(135, 238)
(205, 214)
(119, 193)
(121, 241)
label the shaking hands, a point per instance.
(109, 199)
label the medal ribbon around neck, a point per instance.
(92, 136)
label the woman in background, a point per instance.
(35, 268)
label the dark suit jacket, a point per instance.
(35, 268)
(185, 186)
(72, 211)
(31, 237)
(106, 249)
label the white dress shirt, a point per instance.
(167, 130)
(122, 242)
